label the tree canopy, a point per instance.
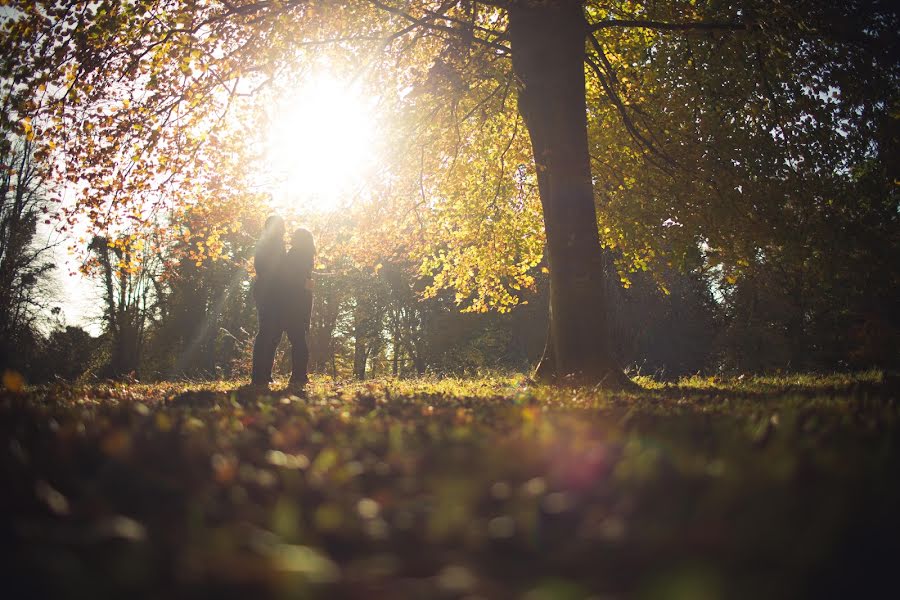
(737, 138)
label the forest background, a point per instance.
(746, 185)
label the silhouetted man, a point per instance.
(267, 260)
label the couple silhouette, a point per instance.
(282, 291)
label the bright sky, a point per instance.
(321, 145)
(78, 297)
(320, 148)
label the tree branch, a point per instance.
(620, 106)
(665, 26)
(425, 22)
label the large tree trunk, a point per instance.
(548, 41)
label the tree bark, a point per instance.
(360, 353)
(548, 41)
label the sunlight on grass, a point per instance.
(450, 481)
(785, 382)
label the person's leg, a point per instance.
(297, 330)
(264, 345)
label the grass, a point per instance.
(777, 487)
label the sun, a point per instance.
(320, 146)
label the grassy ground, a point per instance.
(485, 488)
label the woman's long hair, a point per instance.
(303, 243)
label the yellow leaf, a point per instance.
(13, 381)
(27, 129)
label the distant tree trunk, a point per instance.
(122, 317)
(395, 345)
(359, 353)
(419, 364)
(548, 40)
(326, 308)
(126, 348)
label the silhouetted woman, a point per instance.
(267, 260)
(296, 281)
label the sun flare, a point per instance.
(320, 145)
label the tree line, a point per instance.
(170, 315)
